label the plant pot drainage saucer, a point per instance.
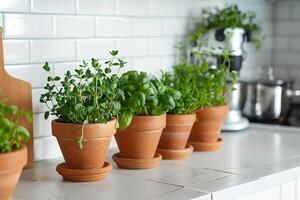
(207, 146)
(176, 154)
(83, 175)
(128, 163)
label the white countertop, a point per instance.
(250, 161)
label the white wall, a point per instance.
(64, 32)
(287, 39)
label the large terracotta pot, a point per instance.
(208, 124)
(140, 139)
(97, 138)
(11, 165)
(177, 131)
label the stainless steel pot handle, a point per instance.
(293, 93)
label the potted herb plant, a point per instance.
(226, 20)
(141, 120)
(209, 87)
(180, 119)
(86, 104)
(13, 154)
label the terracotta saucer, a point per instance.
(128, 163)
(207, 146)
(83, 175)
(176, 154)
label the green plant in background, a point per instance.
(228, 17)
(89, 95)
(12, 134)
(144, 96)
(200, 85)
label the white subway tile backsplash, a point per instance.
(32, 73)
(151, 65)
(53, 6)
(287, 28)
(280, 44)
(61, 68)
(132, 47)
(295, 44)
(46, 148)
(37, 106)
(16, 51)
(164, 46)
(174, 27)
(295, 10)
(41, 127)
(164, 8)
(134, 7)
(14, 5)
(281, 11)
(96, 7)
(1, 19)
(147, 27)
(74, 26)
(27, 26)
(52, 50)
(93, 48)
(113, 27)
(285, 59)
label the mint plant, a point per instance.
(228, 17)
(144, 95)
(12, 134)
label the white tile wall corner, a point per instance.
(27, 26)
(53, 6)
(144, 31)
(74, 26)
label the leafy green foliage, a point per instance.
(228, 17)
(12, 134)
(89, 95)
(144, 96)
(201, 86)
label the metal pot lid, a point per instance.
(278, 82)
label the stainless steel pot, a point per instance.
(268, 100)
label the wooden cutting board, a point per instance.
(19, 93)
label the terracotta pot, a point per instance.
(11, 165)
(177, 131)
(140, 139)
(97, 138)
(208, 125)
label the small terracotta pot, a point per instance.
(208, 125)
(140, 139)
(177, 131)
(97, 138)
(11, 165)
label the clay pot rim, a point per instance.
(210, 108)
(56, 121)
(15, 151)
(182, 115)
(147, 116)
